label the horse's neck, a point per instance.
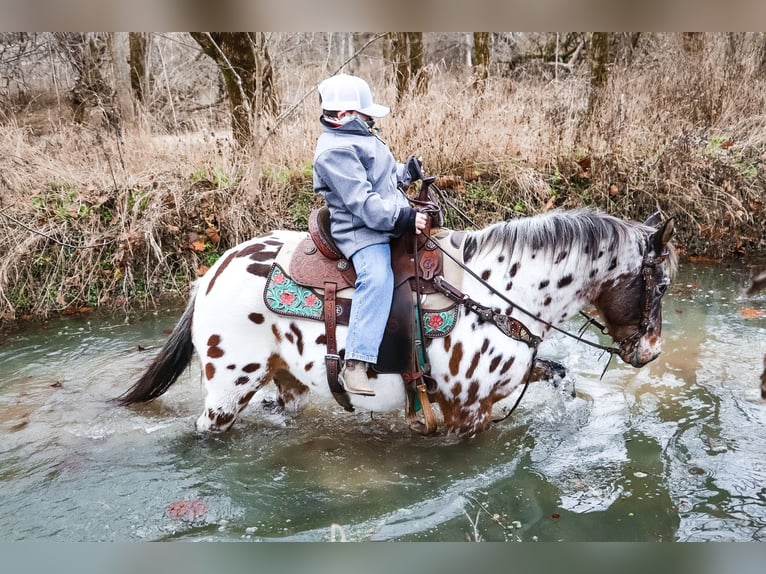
(543, 284)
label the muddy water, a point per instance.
(673, 451)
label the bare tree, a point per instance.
(408, 59)
(89, 55)
(599, 67)
(140, 44)
(244, 62)
(480, 60)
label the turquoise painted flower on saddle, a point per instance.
(286, 297)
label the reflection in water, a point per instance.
(672, 451)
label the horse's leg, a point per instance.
(230, 385)
(232, 376)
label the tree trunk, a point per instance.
(400, 55)
(599, 68)
(245, 64)
(119, 50)
(480, 59)
(417, 59)
(139, 65)
(693, 42)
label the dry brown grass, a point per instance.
(141, 215)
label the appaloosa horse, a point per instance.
(539, 271)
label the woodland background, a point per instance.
(129, 162)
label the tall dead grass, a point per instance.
(89, 219)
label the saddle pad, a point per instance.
(286, 297)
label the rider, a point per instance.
(357, 175)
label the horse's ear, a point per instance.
(664, 234)
(653, 220)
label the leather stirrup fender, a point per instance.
(332, 359)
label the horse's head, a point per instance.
(631, 305)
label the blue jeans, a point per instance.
(371, 303)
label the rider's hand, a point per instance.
(421, 219)
(415, 168)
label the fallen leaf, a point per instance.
(198, 245)
(189, 510)
(202, 269)
(213, 235)
(751, 313)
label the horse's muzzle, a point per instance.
(639, 352)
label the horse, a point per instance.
(538, 271)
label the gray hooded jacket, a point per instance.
(357, 175)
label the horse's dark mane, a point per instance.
(582, 231)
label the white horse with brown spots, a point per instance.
(540, 271)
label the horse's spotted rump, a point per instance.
(209, 371)
(251, 367)
(262, 254)
(547, 300)
(256, 318)
(242, 381)
(514, 269)
(213, 350)
(231, 367)
(258, 252)
(259, 269)
(308, 366)
(544, 283)
(321, 340)
(494, 363)
(560, 257)
(485, 275)
(220, 269)
(276, 333)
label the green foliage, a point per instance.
(138, 200)
(717, 143)
(216, 177)
(301, 206)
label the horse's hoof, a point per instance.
(273, 406)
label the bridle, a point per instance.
(648, 265)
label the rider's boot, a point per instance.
(354, 378)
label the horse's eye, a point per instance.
(661, 288)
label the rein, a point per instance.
(489, 287)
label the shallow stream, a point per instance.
(673, 451)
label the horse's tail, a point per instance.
(167, 366)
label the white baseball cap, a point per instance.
(345, 92)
